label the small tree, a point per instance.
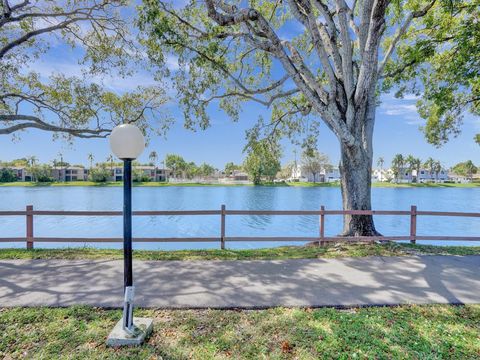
(175, 163)
(230, 168)
(313, 162)
(41, 173)
(466, 169)
(262, 161)
(99, 174)
(191, 170)
(286, 171)
(139, 176)
(205, 170)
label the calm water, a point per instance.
(239, 198)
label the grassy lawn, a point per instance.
(278, 253)
(291, 184)
(404, 332)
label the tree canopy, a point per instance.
(314, 162)
(440, 63)
(262, 161)
(70, 105)
(466, 168)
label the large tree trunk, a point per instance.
(356, 174)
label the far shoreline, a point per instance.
(194, 184)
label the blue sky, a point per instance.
(396, 132)
(397, 129)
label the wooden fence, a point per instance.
(29, 213)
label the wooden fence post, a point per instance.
(413, 224)
(29, 227)
(222, 230)
(322, 225)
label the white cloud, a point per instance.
(398, 109)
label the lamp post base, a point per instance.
(143, 327)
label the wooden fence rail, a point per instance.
(29, 214)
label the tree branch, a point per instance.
(400, 32)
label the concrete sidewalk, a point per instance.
(245, 284)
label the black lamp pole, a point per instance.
(127, 243)
(127, 222)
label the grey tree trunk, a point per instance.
(356, 174)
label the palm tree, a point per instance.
(153, 158)
(430, 165)
(31, 161)
(470, 169)
(417, 164)
(110, 160)
(380, 163)
(397, 165)
(437, 167)
(60, 155)
(90, 158)
(410, 161)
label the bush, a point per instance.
(7, 175)
(41, 173)
(99, 174)
(140, 176)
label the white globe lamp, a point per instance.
(127, 143)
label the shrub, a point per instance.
(140, 176)
(99, 174)
(41, 173)
(7, 175)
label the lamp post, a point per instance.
(127, 143)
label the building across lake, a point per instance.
(80, 173)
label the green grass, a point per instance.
(268, 184)
(278, 253)
(404, 332)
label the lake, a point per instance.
(235, 198)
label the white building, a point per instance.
(430, 176)
(382, 175)
(150, 171)
(330, 175)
